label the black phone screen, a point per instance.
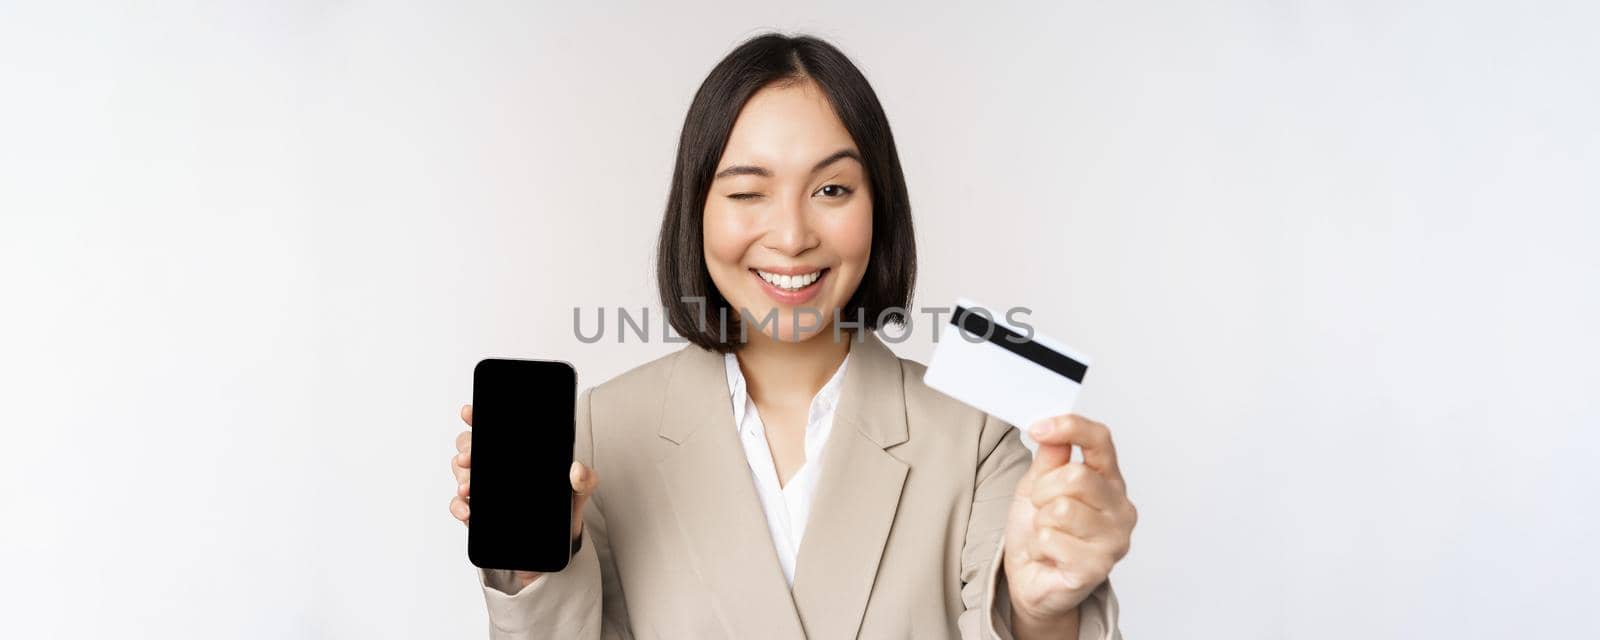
(521, 497)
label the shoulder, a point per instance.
(642, 386)
(929, 412)
(923, 399)
(954, 434)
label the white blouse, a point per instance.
(786, 507)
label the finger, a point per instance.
(464, 441)
(1094, 438)
(462, 473)
(584, 482)
(1049, 456)
(460, 509)
(466, 414)
(1075, 480)
(1076, 518)
(463, 459)
(464, 489)
(1078, 563)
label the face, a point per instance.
(788, 220)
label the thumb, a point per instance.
(584, 482)
(1048, 456)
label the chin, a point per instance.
(787, 322)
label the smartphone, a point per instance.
(522, 433)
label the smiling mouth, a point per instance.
(786, 282)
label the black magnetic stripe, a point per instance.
(977, 325)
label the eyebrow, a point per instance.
(753, 170)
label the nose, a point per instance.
(789, 231)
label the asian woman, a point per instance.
(785, 475)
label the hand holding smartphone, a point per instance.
(515, 469)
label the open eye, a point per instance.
(833, 191)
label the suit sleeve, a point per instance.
(584, 600)
(1002, 461)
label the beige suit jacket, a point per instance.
(903, 540)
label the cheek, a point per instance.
(851, 237)
(726, 240)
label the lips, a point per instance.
(791, 286)
(789, 282)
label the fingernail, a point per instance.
(1040, 428)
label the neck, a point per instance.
(783, 371)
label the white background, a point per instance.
(1335, 263)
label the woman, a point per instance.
(785, 475)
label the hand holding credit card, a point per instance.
(1006, 370)
(1070, 522)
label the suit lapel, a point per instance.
(857, 495)
(714, 499)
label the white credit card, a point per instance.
(1006, 370)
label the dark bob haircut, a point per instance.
(681, 275)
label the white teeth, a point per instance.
(790, 282)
